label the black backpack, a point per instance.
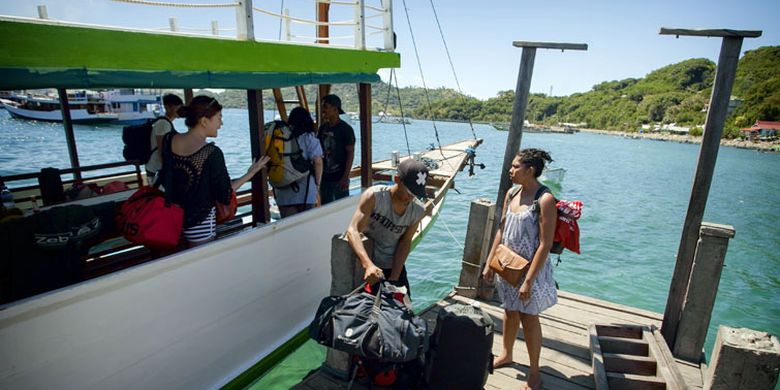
(137, 139)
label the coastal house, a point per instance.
(761, 130)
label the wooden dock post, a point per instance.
(702, 289)
(70, 136)
(475, 250)
(522, 92)
(713, 130)
(346, 275)
(743, 359)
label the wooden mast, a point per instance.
(70, 137)
(515, 133)
(708, 154)
(323, 34)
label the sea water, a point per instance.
(635, 194)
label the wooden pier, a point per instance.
(565, 359)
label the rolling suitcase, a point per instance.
(460, 352)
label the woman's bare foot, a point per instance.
(502, 361)
(534, 382)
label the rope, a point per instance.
(422, 77)
(179, 5)
(294, 19)
(452, 235)
(401, 108)
(441, 32)
(387, 99)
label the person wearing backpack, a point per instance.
(199, 175)
(302, 194)
(162, 125)
(527, 228)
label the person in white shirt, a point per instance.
(161, 126)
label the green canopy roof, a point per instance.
(45, 54)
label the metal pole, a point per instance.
(708, 154)
(360, 25)
(515, 128)
(364, 93)
(173, 24)
(214, 27)
(42, 13)
(70, 137)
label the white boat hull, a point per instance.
(195, 319)
(76, 115)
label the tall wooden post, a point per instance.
(518, 112)
(188, 95)
(323, 37)
(245, 25)
(70, 136)
(713, 130)
(743, 359)
(702, 290)
(261, 211)
(364, 93)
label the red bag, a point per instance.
(228, 211)
(146, 219)
(567, 230)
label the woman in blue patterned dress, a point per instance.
(528, 228)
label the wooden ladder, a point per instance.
(281, 104)
(632, 357)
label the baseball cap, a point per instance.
(334, 101)
(414, 175)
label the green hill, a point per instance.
(676, 93)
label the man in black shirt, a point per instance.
(338, 146)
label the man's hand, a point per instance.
(344, 183)
(373, 274)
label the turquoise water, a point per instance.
(635, 194)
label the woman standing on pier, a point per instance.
(528, 228)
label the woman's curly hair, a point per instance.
(535, 158)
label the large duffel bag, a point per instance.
(460, 353)
(372, 326)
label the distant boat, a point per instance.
(553, 175)
(86, 107)
(384, 118)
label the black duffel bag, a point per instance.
(372, 326)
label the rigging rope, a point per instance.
(387, 100)
(446, 48)
(179, 5)
(422, 77)
(401, 108)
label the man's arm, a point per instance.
(402, 250)
(350, 154)
(357, 225)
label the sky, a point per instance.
(622, 36)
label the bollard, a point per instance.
(346, 275)
(475, 250)
(743, 359)
(702, 289)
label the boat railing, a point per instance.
(358, 16)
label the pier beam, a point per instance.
(743, 359)
(522, 92)
(364, 94)
(261, 209)
(702, 290)
(475, 250)
(713, 131)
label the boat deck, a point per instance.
(566, 361)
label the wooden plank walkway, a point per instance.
(565, 361)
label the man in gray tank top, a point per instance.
(389, 215)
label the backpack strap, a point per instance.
(155, 120)
(539, 192)
(510, 195)
(167, 168)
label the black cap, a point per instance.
(334, 101)
(414, 175)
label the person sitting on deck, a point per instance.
(390, 216)
(528, 228)
(338, 144)
(200, 177)
(161, 126)
(302, 194)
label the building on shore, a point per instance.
(761, 130)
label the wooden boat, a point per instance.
(215, 314)
(112, 108)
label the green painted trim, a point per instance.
(106, 54)
(31, 78)
(249, 376)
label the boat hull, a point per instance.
(76, 115)
(193, 320)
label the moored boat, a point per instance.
(203, 316)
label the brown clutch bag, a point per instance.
(509, 265)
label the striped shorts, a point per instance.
(204, 231)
